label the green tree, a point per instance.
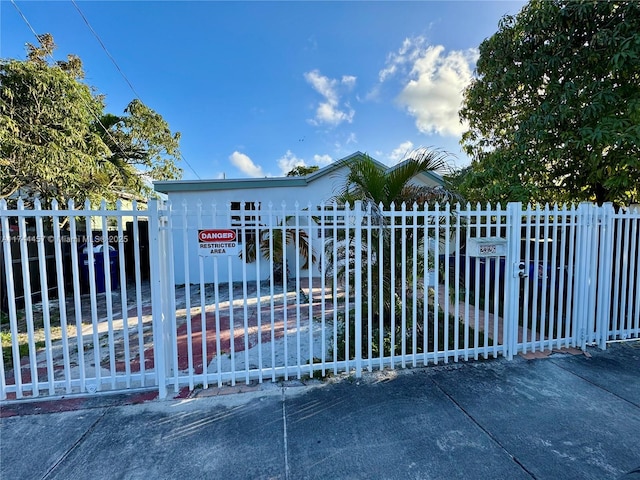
(56, 141)
(554, 112)
(302, 170)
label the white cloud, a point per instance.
(397, 62)
(331, 111)
(349, 81)
(289, 161)
(322, 160)
(433, 95)
(432, 83)
(243, 163)
(401, 151)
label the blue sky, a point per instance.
(256, 88)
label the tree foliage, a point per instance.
(302, 170)
(554, 113)
(57, 142)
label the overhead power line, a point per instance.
(113, 60)
(115, 142)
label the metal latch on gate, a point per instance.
(520, 270)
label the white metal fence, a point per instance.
(307, 291)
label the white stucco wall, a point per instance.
(209, 196)
(185, 242)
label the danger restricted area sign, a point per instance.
(217, 241)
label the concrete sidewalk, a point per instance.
(560, 417)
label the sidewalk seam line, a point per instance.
(284, 423)
(73, 447)
(594, 384)
(487, 432)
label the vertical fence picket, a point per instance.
(357, 270)
(347, 286)
(11, 298)
(272, 232)
(309, 264)
(285, 289)
(156, 298)
(456, 283)
(169, 293)
(257, 241)
(44, 294)
(425, 288)
(75, 269)
(497, 268)
(476, 286)
(296, 235)
(403, 284)
(138, 289)
(106, 262)
(414, 289)
(187, 295)
(447, 259)
(381, 276)
(335, 287)
(203, 310)
(544, 241)
(625, 274)
(466, 282)
(604, 278)
(57, 245)
(392, 290)
(28, 307)
(245, 295)
(369, 259)
(487, 271)
(570, 286)
(436, 281)
(123, 296)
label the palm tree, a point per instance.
(272, 243)
(371, 182)
(379, 189)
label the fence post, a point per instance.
(583, 278)
(512, 278)
(168, 291)
(357, 272)
(580, 274)
(156, 297)
(605, 272)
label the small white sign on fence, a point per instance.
(217, 241)
(487, 247)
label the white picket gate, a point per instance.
(307, 291)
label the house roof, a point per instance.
(168, 186)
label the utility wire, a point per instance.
(115, 142)
(113, 60)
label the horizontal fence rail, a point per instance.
(204, 295)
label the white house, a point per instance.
(229, 203)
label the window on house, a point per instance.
(245, 217)
(331, 219)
